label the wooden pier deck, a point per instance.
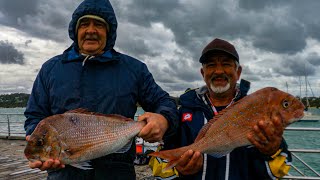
(12, 167)
(13, 164)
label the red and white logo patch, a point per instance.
(186, 117)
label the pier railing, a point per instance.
(11, 127)
(301, 174)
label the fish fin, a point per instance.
(173, 156)
(125, 148)
(86, 111)
(82, 165)
(220, 154)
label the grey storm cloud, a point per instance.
(9, 54)
(41, 19)
(295, 67)
(14, 11)
(314, 59)
(137, 47)
(276, 26)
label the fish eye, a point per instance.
(285, 103)
(39, 142)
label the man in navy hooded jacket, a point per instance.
(90, 74)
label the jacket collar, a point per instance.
(71, 55)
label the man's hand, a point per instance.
(155, 128)
(49, 164)
(190, 163)
(267, 135)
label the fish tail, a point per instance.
(172, 156)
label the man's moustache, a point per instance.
(220, 76)
(91, 37)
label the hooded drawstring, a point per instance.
(87, 57)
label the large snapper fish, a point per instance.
(78, 135)
(229, 129)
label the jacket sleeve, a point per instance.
(153, 98)
(279, 164)
(275, 166)
(38, 104)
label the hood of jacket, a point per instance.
(101, 8)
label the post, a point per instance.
(9, 132)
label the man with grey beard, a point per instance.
(268, 158)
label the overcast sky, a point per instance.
(278, 41)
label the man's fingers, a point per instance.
(259, 132)
(195, 159)
(56, 164)
(46, 165)
(143, 116)
(145, 132)
(185, 158)
(35, 164)
(277, 122)
(190, 163)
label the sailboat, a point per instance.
(310, 113)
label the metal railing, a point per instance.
(9, 128)
(14, 130)
(316, 175)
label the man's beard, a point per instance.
(220, 89)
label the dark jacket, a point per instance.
(111, 83)
(243, 163)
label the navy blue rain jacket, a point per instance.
(111, 83)
(242, 163)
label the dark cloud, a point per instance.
(41, 19)
(278, 28)
(274, 26)
(254, 5)
(27, 42)
(313, 59)
(144, 12)
(137, 47)
(287, 37)
(9, 54)
(295, 67)
(15, 10)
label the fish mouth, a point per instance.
(297, 115)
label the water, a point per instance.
(305, 140)
(295, 139)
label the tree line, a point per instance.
(14, 100)
(21, 99)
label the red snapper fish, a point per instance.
(228, 130)
(78, 136)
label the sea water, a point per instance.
(294, 139)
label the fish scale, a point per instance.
(229, 129)
(79, 135)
